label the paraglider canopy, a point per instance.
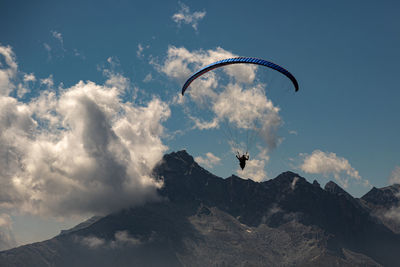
(241, 60)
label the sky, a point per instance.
(90, 100)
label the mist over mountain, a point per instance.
(205, 220)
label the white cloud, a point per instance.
(8, 70)
(395, 176)
(209, 161)
(204, 125)
(255, 167)
(82, 150)
(185, 16)
(181, 63)
(326, 163)
(7, 239)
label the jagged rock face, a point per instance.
(205, 220)
(387, 196)
(384, 203)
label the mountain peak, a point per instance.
(334, 188)
(181, 155)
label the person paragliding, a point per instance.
(242, 159)
(241, 60)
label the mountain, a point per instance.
(204, 220)
(384, 203)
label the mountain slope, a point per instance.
(205, 220)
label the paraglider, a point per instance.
(238, 60)
(242, 159)
(241, 60)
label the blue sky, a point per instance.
(342, 125)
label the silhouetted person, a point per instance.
(242, 159)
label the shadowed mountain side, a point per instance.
(384, 203)
(205, 220)
(291, 197)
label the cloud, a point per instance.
(294, 182)
(184, 16)
(326, 163)
(58, 36)
(121, 238)
(8, 70)
(395, 176)
(29, 77)
(7, 239)
(148, 78)
(47, 81)
(209, 161)
(139, 51)
(241, 103)
(47, 47)
(79, 150)
(255, 167)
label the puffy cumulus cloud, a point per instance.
(209, 161)
(185, 16)
(249, 109)
(7, 239)
(255, 167)
(326, 163)
(81, 150)
(8, 70)
(395, 176)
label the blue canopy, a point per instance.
(238, 60)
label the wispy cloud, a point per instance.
(395, 176)
(185, 16)
(121, 239)
(7, 239)
(139, 51)
(58, 36)
(8, 70)
(148, 78)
